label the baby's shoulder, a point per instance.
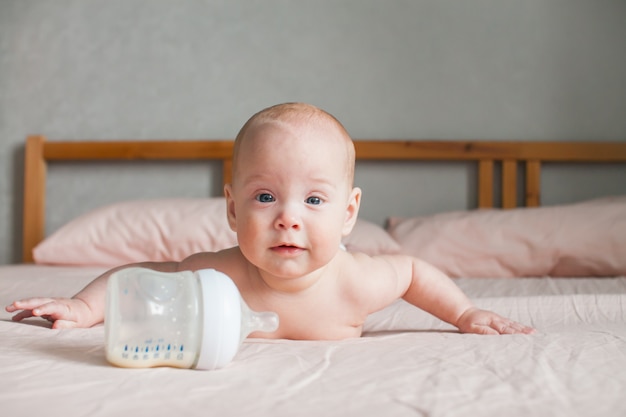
(374, 281)
(227, 260)
(361, 266)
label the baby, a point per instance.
(290, 202)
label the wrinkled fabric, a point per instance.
(406, 363)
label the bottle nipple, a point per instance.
(252, 321)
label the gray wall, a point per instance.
(435, 69)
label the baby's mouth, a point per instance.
(287, 248)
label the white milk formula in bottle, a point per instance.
(179, 319)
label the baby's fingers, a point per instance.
(47, 308)
(483, 329)
(520, 328)
(21, 315)
(27, 304)
(512, 327)
(52, 311)
(487, 322)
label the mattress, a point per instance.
(406, 363)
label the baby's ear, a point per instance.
(230, 207)
(352, 211)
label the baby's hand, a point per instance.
(62, 312)
(479, 321)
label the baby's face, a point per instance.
(291, 200)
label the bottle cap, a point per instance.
(227, 320)
(221, 319)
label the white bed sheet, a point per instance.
(407, 363)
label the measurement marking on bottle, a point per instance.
(149, 351)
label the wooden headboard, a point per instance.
(485, 153)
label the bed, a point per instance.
(558, 268)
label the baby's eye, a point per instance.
(265, 198)
(314, 200)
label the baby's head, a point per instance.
(308, 123)
(291, 199)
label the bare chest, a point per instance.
(304, 319)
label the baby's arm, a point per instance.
(431, 290)
(85, 309)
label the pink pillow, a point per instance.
(135, 231)
(165, 230)
(371, 239)
(585, 239)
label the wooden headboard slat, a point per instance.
(485, 153)
(509, 183)
(227, 171)
(136, 150)
(477, 150)
(34, 196)
(485, 183)
(532, 192)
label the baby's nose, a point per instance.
(288, 219)
(287, 223)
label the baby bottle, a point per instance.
(180, 319)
